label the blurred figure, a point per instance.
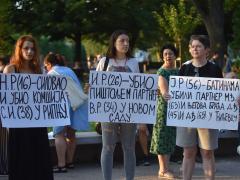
(78, 70)
(92, 62)
(144, 131)
(163, 136)
(4, 60)
(99, 57)
(233, 75)
(29, 151)
(65, 138)
(228, 63)
(214, 58)
(120, 60)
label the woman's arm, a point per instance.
(163, 86)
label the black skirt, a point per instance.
(3, 151)
(29, 154)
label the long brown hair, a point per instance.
(112, 52)
(17, 57)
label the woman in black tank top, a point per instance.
(29, 152)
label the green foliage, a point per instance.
(178, 21)
(62, 47)
(78, 20)
(236, 26)
(6, 40)
(94, 48)
(231, 5)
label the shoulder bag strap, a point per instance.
(106, 64)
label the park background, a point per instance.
(81, 28)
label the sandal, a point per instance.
(166, 175)
(70, 165)
(59, 169)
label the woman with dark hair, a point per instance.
(29, 151)
(163, 136)
(65, 138)
(120, 60)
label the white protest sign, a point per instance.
(122, 97)
(30, 100)
(203, 102)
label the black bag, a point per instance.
(98, 127)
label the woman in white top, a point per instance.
(120, 60)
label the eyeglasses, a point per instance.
(196, 71)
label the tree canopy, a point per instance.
(151, 22)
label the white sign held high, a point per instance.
(30, 100)
(122, 97)
(203, 102)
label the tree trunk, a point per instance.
(212, 12)
(78, 50)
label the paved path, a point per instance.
(228, 168)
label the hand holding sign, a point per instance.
(203, 102)
(122, 97)
(33, 100)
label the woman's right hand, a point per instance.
(166, 96)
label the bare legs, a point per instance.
(65, 147)
(208, 164)
(143, 139)
(164, 171)
(189, 163)
(61, 148)
(163, 163)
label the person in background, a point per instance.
(3, 131)
(79, 70)
(4, 60)
(143, 132)
(29, 151)
(233, 75)
(228, 63)
(163, 136)
(65, 136)
(120, 60)
(189, 138)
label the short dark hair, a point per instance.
(111, 52)
(171, 47)
(54, 59)
(202, 38)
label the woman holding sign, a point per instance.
(163, 136)
(65, 138)
(189, 138)
(119, 60)
(29, 152)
